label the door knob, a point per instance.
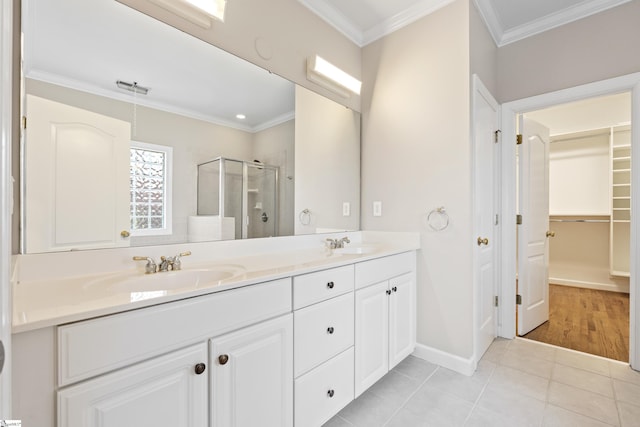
(124, 234)
(551, 234)
(482, 241)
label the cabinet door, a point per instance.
(252, 376)
(402, 316)
(163, 391)
(371, 335)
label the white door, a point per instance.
(77, 185)
(167, 391)
(402, 315)
(372, 335)
(485, 125)
(252, 376)
(533, 243)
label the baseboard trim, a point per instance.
(612, 287)
(446, 360)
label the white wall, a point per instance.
(483, 51)
(599, 47)
(324, 180)
(416, 157)
(277, 35)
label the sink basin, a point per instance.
(191, 278)
(355, 250)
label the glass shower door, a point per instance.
(261, 201)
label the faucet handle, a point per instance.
(332, 243)
(177, 264)
(151, 266)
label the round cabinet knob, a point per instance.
(394, 289)
(200, 368)
(388, 291)
(223, 359)
(330, 285)
(330, 393)
(330, 330)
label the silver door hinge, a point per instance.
(496, 137)
(519, 299)
(497, 220)
(519, 219)
(495, 301)
(519, 139)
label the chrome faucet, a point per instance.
(337, 243)
(166, 263)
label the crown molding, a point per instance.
(402, 19)
(334, 18)
(146, 102)
(362, 37)
(545, 23)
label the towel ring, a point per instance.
(438, 219)
(305, 217)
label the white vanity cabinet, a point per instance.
(251, 373)
(385, 316)
(323, 344)
(169, 390)
(136, 377)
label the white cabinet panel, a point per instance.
(252, 376)
(162, 391)
(370, 272)
(94, 347)
(322, 331)
(321, 393)
(372, 335)
(402, 318)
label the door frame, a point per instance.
(6, 197)
(627, 83)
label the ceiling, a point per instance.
(364, 21)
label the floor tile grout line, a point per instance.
(403, 404)
(475, 404)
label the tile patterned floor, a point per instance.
(518, 383)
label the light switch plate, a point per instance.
(377, 208)
(346, 209)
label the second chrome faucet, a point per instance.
(166, 263)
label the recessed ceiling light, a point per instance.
(241, 116)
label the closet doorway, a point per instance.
(588, 227)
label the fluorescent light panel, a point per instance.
(323, 72)
(214, 8)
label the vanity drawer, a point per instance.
(323, 392)
(371, 272)
(93, 347)
(321, 331)
(315, 287)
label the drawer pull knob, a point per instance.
(223, 359)
(394, 289)
(200, 368)
(388, 291)
(330, 285)
(330, 330)
(330, 393)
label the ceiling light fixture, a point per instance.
(331, 77)
(133, 87)
(241, 116)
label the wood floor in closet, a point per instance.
(587, 320)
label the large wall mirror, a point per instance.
(140, 134)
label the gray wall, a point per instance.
(599, 47)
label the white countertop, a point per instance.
(42, 300)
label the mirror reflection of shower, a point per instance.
(236, 200)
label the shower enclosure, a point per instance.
(245, 191)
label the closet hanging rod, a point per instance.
(579, 220)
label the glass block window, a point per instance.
(150, 189)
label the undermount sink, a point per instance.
(355, 250)
(169, 280)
